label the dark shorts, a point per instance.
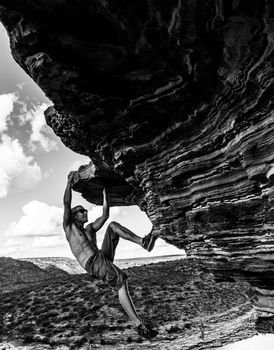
(101, 266)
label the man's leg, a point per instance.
(125, 233)
(125, 300)
(127, 304)
(109, 245)
(146, 242)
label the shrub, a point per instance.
(67, 317)
(28, 338)
(89, 317)
(173, 329)
(95, 308)
(100, 327)
(26, 328)
(43, 330)
(49, 334)
(34, 308)
(45, 323)
(187, 325)
(84, 329)
(82, 312)
(80, 341)
(45, 340)
(51, 313)
(66, 309)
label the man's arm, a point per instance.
(98, 223)
(67, 203)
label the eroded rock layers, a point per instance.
(173, 103)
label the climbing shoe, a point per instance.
(148, 242)
(146, 332)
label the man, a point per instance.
(99, 263)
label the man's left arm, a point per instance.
(98, 223)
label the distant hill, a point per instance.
(15, 274)
(126, 263)
(71, 266)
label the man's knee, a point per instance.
(114, 225)
(112, 228)
(123, 288)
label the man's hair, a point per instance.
(74, 210)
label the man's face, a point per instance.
(81, 215)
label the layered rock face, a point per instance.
(173, 103)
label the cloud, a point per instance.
(46, 242)
(13, 242)
(8, 251)
(21, 85)
(115, 211)
(95, 212)
(36, 246)
(17, 171)
(41, 134)
(38, 232)
(6, 107)
(39, 220)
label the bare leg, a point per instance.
(126, 302)
(125, 233)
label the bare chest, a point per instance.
(76, 235)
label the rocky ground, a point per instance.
(77, 312)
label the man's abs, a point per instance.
(81, 247)
(82, 255)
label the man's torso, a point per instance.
(83, 243)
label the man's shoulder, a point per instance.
(90, 228)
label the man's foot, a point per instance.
(148, 242)
(146, 331)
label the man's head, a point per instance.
(79, 214)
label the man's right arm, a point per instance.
(67, 203)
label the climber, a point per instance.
(99, 263)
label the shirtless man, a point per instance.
(99, 263)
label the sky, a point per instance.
(34, 165)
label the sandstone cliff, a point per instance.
(173, 103)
